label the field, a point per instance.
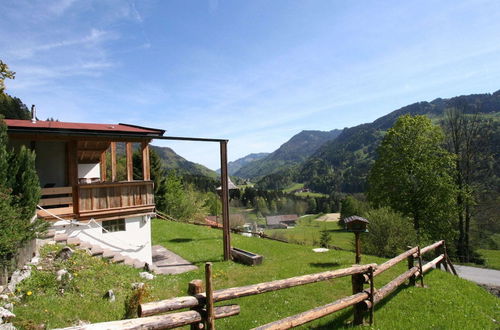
(307, 232)
(447, 302)
(492, 258)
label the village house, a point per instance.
(281, 221)
(81, 195)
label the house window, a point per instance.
(113, 225)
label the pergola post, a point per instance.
(130, 166)
(146, 174)
(113, 161)
(225, 201)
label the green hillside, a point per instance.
(447, 302)
(291, 153)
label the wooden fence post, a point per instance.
(447, 259)
(195, 287)
(420, 268)
(210, 320)
(444, 262)
(411, 263)
(372, 292)
(359, 309)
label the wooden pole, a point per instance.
(210, 321)
(146, 174)
(130, 166)
(73, 173)
(195, 287)
(358, 248)
(162, 306)
(225, 201)
(448, 261)
(428, 266)
(103, 166)
(113, 161)
(420, 268)
(411, 264)
(165, 321)
(359, 309)
(372, 293)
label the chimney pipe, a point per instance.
(33, 114)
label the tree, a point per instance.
(466, 138)
(5, 73)
(157, 173)
(389, 233)
(413, 175)
(19, 194)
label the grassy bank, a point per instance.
(448, 302)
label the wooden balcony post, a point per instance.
(113, 161)
(103, 166)
(225, 201)
(130, 167)
(72, 159)
(146, 170)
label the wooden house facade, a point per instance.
(81, 193)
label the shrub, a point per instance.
(389, 233)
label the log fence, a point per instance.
(202, 311)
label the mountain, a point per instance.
(234, 166)
(173, 161)
(288, 155)
(343, 163)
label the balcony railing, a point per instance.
(99, 200)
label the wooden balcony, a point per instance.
(107, 200)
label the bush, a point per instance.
(389, 233)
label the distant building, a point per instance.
(281, 221)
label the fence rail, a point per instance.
(202, 303)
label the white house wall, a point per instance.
(134, 242)
(89, 171)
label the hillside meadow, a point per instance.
(446, 302)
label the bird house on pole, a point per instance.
(357, 225)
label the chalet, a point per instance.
(81, 194)
(281, 221)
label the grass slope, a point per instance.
(448, 302)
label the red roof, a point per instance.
(59, 125)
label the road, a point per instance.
(479, 275)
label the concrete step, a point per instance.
(48, 234)
(85, 245)
(60, 238)
(119, 258)
(138, 264)
(109, 254)
(128, 261)
(74, 241)
(96, 250)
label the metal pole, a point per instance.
(225, 200)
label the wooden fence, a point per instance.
(203, 312)
(21, 257)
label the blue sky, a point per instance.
(255, 72)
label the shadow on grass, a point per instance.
(180, 240)
(343, 320)
(324, 264)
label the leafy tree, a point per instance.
(158, 175)
(466, 137)
(5, 73)
(389, 233)
(413, 174)
(325, 238)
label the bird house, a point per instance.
(356, 224)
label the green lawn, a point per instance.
(492, 258)
(307, 232)
(448, 302)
